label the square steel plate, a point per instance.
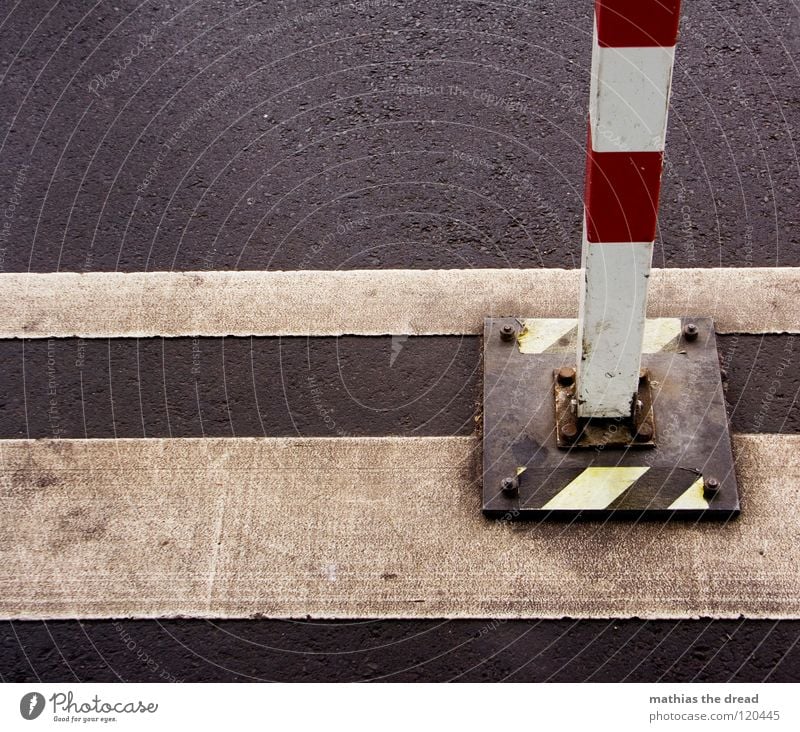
(693, 446)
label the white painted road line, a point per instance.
(366, 302)
(363, 527)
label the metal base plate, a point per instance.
(527, 475)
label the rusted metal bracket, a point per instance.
(673, 458)
(574, 431)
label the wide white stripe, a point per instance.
(363, 528)
(610, 336)
(629, 97)
(366, 302)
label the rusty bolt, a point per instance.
(690, 332)
(569, 431)
(711, 485)
(510, 486)
(507, 332)
(566, 376)
(644, 433)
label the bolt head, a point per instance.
(644, 433)
(569, 431)
(566, 376)
(690, 332)
(711, 485)
(509, 486)
(507, 332)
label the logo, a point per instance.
(397, 346)
(31, 705)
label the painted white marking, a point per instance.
(595, 488)
(379, 505)
(361, 302)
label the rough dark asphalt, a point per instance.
(390, 134)
(310, 135)
(329, 387)
(402, 650)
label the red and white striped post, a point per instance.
(632, 57)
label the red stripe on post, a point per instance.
(637, 22)
(621, 197)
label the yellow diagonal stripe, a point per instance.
(658, 332)
(541, 333)
(692, 498)
(595, 488)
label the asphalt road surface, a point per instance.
(311, 135)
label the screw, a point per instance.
(690, 332)
(566, 376)
(711, 485)
(510, 486)
(644, 432)
(507, 332)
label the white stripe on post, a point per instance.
(629, 97)
(632, 59)
(611, 326)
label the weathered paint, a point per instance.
(595, 488)
(630, 97)
(611, 327)
(693, 498)
(541, 335)
(632, 58)
(365, 302)
(114, 512)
